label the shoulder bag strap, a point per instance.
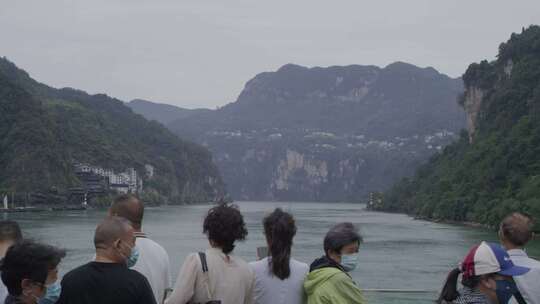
(519, 298)
(204, 264)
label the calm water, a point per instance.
(398, 253)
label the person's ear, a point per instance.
(26, 283)
(488, 283)
(117, 244)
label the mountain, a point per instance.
(327, 134)
(160, 112)
(45, 132)
(495, 167)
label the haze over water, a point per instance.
(399, 252)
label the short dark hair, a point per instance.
(517, 228)
(109, 230)
(340, 235)
(224, 224)
(10, 231)
(279, 228)
(28, 260)
(129, 207)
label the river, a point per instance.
(398, 253)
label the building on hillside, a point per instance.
(123, 182)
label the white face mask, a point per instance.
(349, 261)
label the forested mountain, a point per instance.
(45, 131)
(160, 112)
(328, 134)
(495, 167)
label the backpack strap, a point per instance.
(204, 264)
(519, 297)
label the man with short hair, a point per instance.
(515, 232)
(10, 233)
(108, 280)
(153, 260)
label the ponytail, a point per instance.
(279, 228)
(449, 292)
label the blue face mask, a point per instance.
(349, 261)
(133, 257)
(52, 295)
(505, 290)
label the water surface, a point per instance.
(399, 252)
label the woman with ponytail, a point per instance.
(278, 277)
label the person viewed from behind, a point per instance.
(108, 280)
(28, 269)
(328, 280)
(487, 273)
(216, 276)
(279, 279)
(150, 259)
(10, 233)
(515, 231)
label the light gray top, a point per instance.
(269, 289)
(529, 283)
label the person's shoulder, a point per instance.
(259, 265)
(534, 263)
(146, 243)
(78, 270)
(135, 275)
(340, 277)
(241, 263)
(76, 275)
(299, 265)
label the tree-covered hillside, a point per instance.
(45, 131)
(495, 167)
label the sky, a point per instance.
(200, 53)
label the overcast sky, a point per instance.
(200, 53)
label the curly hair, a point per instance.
(224, 224)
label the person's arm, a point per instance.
(184, 288)
(346, 291)
(250, 291)
(168, 277)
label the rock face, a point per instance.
(498, 172)
(472, 105)
(328, 134)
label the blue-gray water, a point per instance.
(398, 253)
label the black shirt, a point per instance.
(105, 283)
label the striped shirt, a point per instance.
(471, 296)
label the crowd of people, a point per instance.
(129, 267)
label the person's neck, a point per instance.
(510, 246)
(103, 256)
(4, 246)
(489, 293)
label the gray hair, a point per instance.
(340, 235)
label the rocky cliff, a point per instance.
(495, 169)
(328, 134)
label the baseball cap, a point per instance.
(489, 258)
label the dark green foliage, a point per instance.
(44, 131)
(500, 171)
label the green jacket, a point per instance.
(330, 285)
